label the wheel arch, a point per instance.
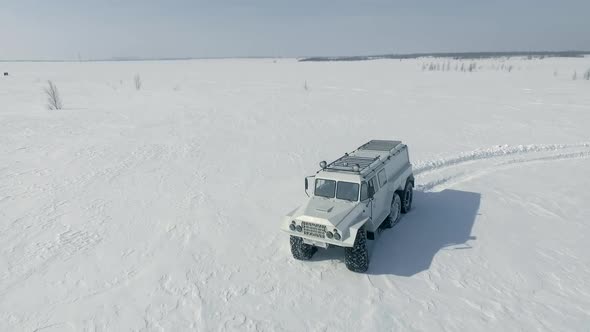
(353, 229)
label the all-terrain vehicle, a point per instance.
(352, 199)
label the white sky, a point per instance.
(62, 29)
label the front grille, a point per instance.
(314, 229)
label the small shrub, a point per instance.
(587, 75)
(137, 81)
(53, 98)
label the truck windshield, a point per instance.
(344, 190)
(325, 188)
(348, 191)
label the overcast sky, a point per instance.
(64, 29)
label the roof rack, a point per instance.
(361, 159)
(347, 163)
(380, 145)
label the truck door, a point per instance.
(375, 202)
(382, 200)
(379, 206)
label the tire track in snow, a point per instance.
(493, 152)
(550, 152)
(450, 181)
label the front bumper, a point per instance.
(347, 240)
(321, 242)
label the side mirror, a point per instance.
(371, 192)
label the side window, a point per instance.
(382, 178)
(364, 191)
(373, 185)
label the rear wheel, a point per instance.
(407, 196)
(357, 257)
(300, 250)
(395, 212)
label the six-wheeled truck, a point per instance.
(351, 199)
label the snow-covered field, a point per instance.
(159, 209)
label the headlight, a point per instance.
(292, 227)
(329, 235)
(299, 228)
(337, 236)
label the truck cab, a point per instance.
(350, 199)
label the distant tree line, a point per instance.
(457, 56)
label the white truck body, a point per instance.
(334, 213)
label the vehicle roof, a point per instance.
(364, 158)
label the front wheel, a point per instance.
(300, 250)
(357, 257)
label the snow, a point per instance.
(159, 209)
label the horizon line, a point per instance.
(317, 57)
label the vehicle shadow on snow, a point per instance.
(438, 220)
